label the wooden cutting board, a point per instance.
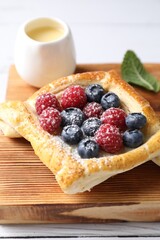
(30, 194)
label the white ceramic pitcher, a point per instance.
(39, 63)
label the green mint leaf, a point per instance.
(132, 71)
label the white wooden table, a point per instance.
(103, 30)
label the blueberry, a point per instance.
(135, 120)
(72, 134)
(110, 100)
(72, 116)
(90, 126)
(94, 93)
(88, 148)
(133, 138)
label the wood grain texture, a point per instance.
(29, 192)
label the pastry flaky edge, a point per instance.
(71, 172)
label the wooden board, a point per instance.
(30, 194)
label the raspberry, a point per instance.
(73, 96)
(93, 109)
(109, 138)
(115, 116)
(46, 100)
(50, 119)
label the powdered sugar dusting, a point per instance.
(50, 119)
(93, 109)
(72, 150)
(109, 138)
(115, 116)
(46, 100)
(73, 96)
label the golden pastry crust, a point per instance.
(73, 173)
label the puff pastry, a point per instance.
(73, 173)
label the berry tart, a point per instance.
(85, 128)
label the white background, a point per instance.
(103, 30)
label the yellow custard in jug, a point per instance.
(46, 33)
